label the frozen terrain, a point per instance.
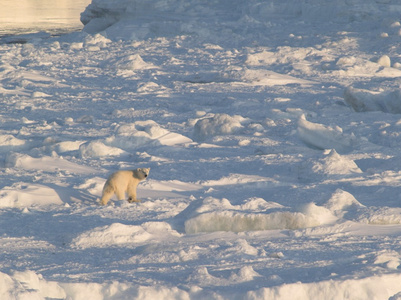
(273, 134)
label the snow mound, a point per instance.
(9, 142)
(359, 67)
(97, 40)
(331, 164)
(364, 100)
(26, 195)
(98, 149)
(270, 78)
(211, 204)
(115, 234)
(220, 215)
(92, 185)
(245, 274)
(324, 137)
(67, 146)
(340, 202)
(388, 259)
(233, 179)
(262, 58)
(47, 163)
(118, 234)
(202, 277)
(131, 62)
(344, 205)
(379, 215)
(381, 286)
(170, 185)
(120, 290)
(384, 61)
(219, 124)
(132, 136)
(334, 163)
(29, 285)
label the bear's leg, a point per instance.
(132, 194)
(107, 194)
(120, 195)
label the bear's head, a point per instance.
(143, 173)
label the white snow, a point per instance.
(222, 216)
(365, 100)
(219, 124)
(272, 129)
(324, 137)
(120, 234)
(330, 166)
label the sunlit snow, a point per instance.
(272, 129)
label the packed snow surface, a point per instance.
(273, 131)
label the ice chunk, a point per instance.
(331, 164)
(98, 149)
(131, 136)
(384, 61)
(340, 202)
(219, 124)
(212, 217)
(364, 100)
(121, 234)
(132, 62)
(9, 142)
(324, 137)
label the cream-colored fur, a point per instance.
(122, 182)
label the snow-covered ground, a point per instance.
(273, 134)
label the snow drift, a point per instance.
(364, 100)
(324, 137)
(330, 166)
(219, 124)
(221, 215)
(26, 195)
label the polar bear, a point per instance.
(122, 182)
